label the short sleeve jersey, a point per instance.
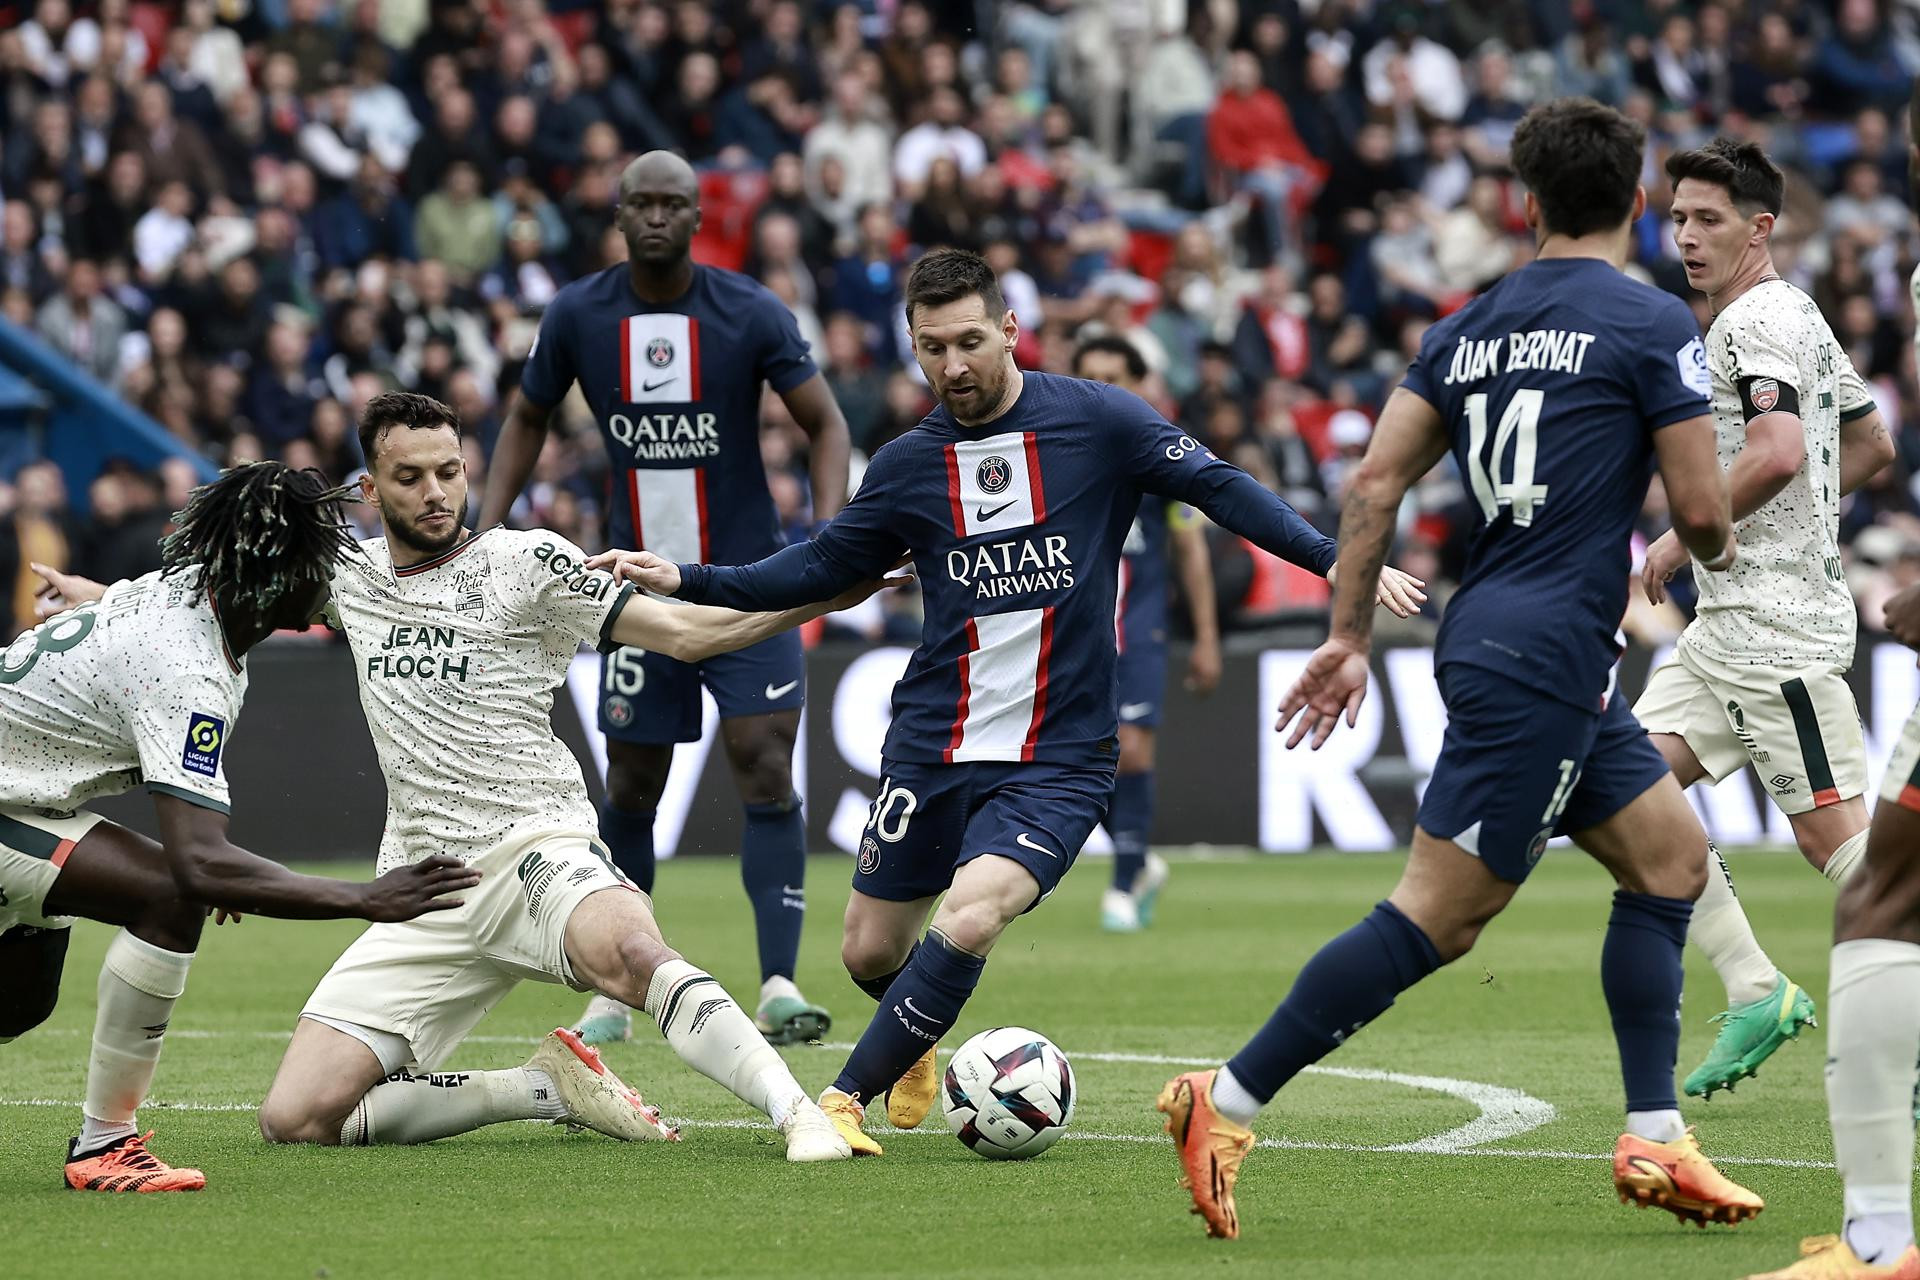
(457, 659)
(675, 388)
(1551, 385)
(137, 688)
(1785, 601)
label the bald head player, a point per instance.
(671, 356)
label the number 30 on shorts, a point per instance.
(891, 812)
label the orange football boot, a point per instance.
(1831, 1258)
(1211, 1149)
(1675, 1176)
(127, 1165)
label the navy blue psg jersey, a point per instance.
(1016, 528)
(675, 388)
(1144, 578)
(1552, 384)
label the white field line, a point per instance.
(1504, 1113)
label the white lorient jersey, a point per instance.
(137, 687)
(1785, 601)
(458, 658)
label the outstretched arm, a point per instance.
(210, 869)
(695, 632)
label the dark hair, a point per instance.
(1581, 161)
(1742, 169)
(258, 533)
(392, 409)
(948, 275)
(1114, 345)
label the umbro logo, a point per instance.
(655, 386)
(985, 513)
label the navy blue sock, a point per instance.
(1348, 983)
(629, 838)
(1641, 973)
(921, 1006)
(773, 866)
(1129, 822)
(877, 987)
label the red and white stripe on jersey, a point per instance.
(995, 484)
(669, 510)
(659, 358)
(1003, 686)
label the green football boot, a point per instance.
(1749, 1033)
(791, 1020)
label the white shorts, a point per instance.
(432, 979)
(33, 848)
(1901, 786)
(1797, 726)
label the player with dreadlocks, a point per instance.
(142, 686)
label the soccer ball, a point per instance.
(1009, 1093)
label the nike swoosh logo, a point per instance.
(781, 690)
(1134, 710)
(915, 1012)
(1027, 843)
(655, 386)
(983, 514)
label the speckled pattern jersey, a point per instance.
(1785, 601)
(458, 658)
(136, 688)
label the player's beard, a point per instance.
(432, 544)
(989, 389)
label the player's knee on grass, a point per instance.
(636, 774)
(285, 1123)
(33, 960)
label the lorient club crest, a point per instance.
(994, 475)
(660, 353)
(1765, 394)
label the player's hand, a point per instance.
(1903, 617)
(1203, 668)
(62, 591)
(855, 594)
(221, 915)
(1399, 592)
(642, 568)
(1334, 682)
(406, 892)
(1665, 557)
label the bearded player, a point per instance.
(1013, 497)
(671, 356)
(1759, 676)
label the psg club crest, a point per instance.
(619, 712)
(1765, 394)
(994, 475)
(660, 353)
(869, 856)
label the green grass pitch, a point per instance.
(1524, 1013)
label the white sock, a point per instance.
(1657, 1126)
(138, 984)
(1231, 1099)
(1846, 859)
(777, 986)
(407, 1108)
(1873, 1039)
(1720, 929)
(714, 1037)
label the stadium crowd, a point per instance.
(249, 217)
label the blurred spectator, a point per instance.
(281, 395)
(1251, 139)
(867, 284)
(84, 326)
(852, 132)
(941, 134)
(458, 225)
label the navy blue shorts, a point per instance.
(1517, 767)
(1142, 680)
(929, 820)
(647, 697)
